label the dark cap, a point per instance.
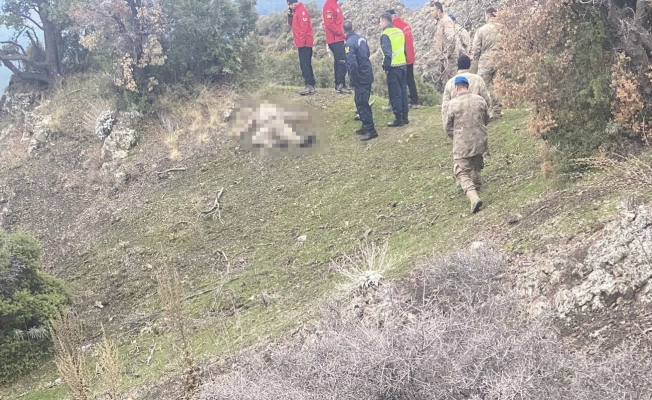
(391, 11)
(292, 1)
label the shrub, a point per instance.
(28, 299)
(456, 332)
(553, 57)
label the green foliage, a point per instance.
(209, 38)
(583, 110)
(28, 299)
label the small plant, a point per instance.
(366, 269)
(109, 365)
(171, 296)
(67, 338)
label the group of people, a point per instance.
(469, 101)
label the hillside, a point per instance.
(264, 265)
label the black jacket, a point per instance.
(358, 64)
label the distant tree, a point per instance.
(208, 38)
(29, 298)
(129, 33)
(31, 20)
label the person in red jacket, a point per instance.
(333, 19)
(299, 20)
(409, 47)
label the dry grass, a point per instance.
(195, 120)
(620, 168)
(67, 337)
(456, 333)
(109, 367)
(366, 269)
(171, 297)
(76, 107)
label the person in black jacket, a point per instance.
(361, 76)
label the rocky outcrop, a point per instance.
(119, 137)
(104, 124)
(36, 129)
(617, 267)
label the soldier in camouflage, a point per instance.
(466, 124)
(476, 85)
(445, 42)
(485, 43)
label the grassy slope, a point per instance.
(397, 188)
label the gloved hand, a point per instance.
(385, 68)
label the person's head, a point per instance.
(347, 26)
(461, 84)
(436, 9)
(385, 19)
(453, 17)
(293, 3)
(490, 13)
(392, 12)
(464, 62)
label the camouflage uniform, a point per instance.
(446, 48)
(476, 85)
(485, 42)
(466, 124)
(463, 41)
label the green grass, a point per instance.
(397, 189)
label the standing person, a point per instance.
(409, 58)
(476, 85)
(463, 37)
(466, 124)
(392, 42)
(485, 42)
(299, 20)
(445, 42)
(333, 19)
(361, 76)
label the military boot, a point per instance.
(341, 89)
(369, 136)
(360, 131)
(476, 202)
(398, 121)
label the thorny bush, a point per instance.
(455, 332)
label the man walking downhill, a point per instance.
(485, 42)
(299, 20)
(392, 42)
(361, 76)
(445, 42)
(410, 56)
(466, 124)
(476, 86)
(463, 37)
(333, 19)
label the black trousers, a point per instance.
(361, 94)
(412, 85)
(397, 87)
(305, 62)
(339, 66)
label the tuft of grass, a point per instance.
(366, 269)
(109, 366)
(67, 337)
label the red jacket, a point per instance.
(333, 19)
(301, 26)
(409, 40)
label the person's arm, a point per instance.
(386, 45)
(482, 91)
(485, 111)
(450, 122)
(451, 39)
(352, 64)
(477, 45)
(329, 21)
(290, 16)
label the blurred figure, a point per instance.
(445, 42)
(485, 42)
(463, 37)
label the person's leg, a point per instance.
(340, 63)
(362, 94)
(311, 75)
(464, 171)
(404, 95)
(394, 91)
(304, 64)
(412, 85)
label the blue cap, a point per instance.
(453, 16)
(461, 79)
